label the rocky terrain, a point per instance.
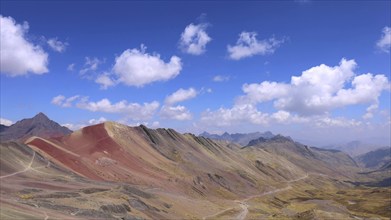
(112, 171)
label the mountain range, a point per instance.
(113, 171)
(356, 147)
(239, 138)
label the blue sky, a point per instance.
(318, 71)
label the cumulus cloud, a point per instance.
(57, 45)
(336, 122)
(220, 78)
(180, 96)
(236, 115)
(6, 122)
(178, 112)
(370, 111)
(97, 121)
(248, 45)
(249, 114)
(134, 111)
(319, 89)
(194, 39)
(62, 101)
(308, 98)
(105, 81)
(18, 56)
(137, 68)
(77, 126)
(384, 43)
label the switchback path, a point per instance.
(243, 203)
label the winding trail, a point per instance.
(243, 203)
(22, 171)
(28, 168)
(244, 213)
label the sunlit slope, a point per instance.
(33, 187)
(166, 159)
(114, 171)
(309, 159)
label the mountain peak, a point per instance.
(275, 138)
(39, 125)
(41, 116)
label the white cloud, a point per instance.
(57, 45)
(180, 96)
(18, 56)
(134, 111)
(384, 43)
(58, 100)
(220, 78)
(78, 126)
(308, 99)
(262, 92)
(71, 67)
(319, 90)
(285, 117)
(236, 115)
(370, 111)
(194, 39)
(245, 115)
(178, 112)
(137, 68)
(90, 65)
(97, 121)
(248, 45)
(336, 122)
(105, 81)
(6, 122)
(62, 101)
(281, 116)
(155, 124)
(73, 127)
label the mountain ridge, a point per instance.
(111, 170)
(240, 138)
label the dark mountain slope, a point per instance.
(40, 125)
(239, 138)
(375, 159)
(3, 127)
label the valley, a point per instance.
(112, 171)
